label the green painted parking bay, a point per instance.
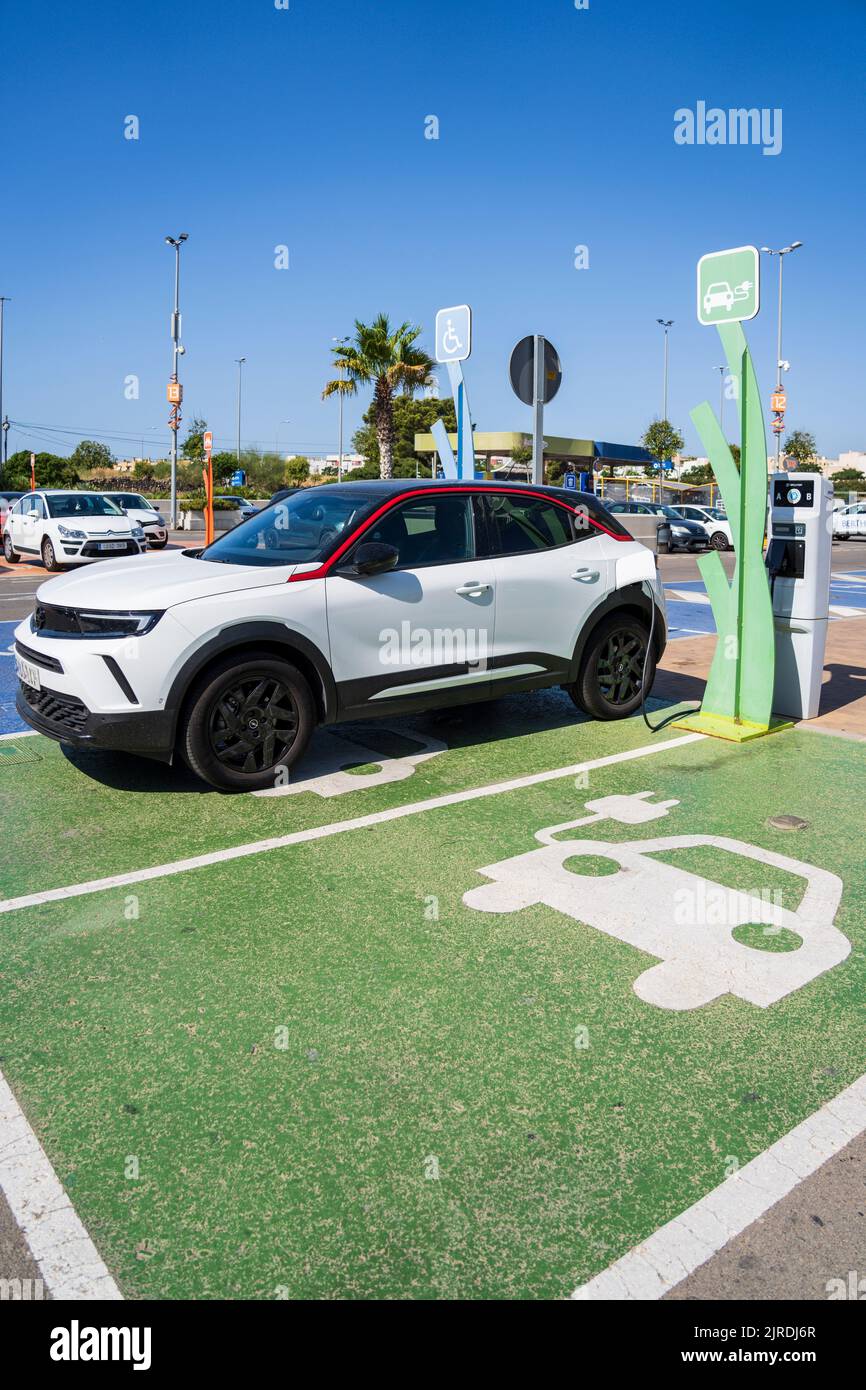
(93, 814)
(361, 1067)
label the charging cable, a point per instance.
(678, 713)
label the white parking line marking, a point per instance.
(321, 832)
(25, 733)
(676, 1250)
(68, 1260)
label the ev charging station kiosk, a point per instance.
(798, 567)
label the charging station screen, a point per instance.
(787, 493)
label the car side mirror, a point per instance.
(33, 513)
(375, 557)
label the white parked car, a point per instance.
(713, 520)
(850, 521)
(69, 528)
(148, 517)
(342, 603)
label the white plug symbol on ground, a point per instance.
(684, 920)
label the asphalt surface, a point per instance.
(812, 1237)
(16, 1262)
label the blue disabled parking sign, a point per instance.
(570, 480)
(454, 333)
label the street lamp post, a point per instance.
(666, 324)
(782, 253)
(240, 361)
(277, 438)
(4, 299)
(176, 351)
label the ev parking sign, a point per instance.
(729, 285)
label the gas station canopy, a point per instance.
(583, 454)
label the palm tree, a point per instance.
(391, 361)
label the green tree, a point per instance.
(51, 471)
(193, 445)
(90, 455)
(297, 470)
(522, 454)
(224, 464)
(389, 360)
(698, 474)
(801, 446)
(662, 440)
(410, 417)
(848, 480)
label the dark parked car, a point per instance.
(685, 535)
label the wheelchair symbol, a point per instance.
(453, 344)
(450, 342)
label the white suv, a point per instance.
(343, 602)
(151, 521)
(69, 528)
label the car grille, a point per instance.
(93, 548)
(63, 711)
(50, 663)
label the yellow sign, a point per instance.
(174, 394)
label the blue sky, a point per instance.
(261, 126)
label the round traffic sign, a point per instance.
(521, 370)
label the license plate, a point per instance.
(111, 545)
(28, 673)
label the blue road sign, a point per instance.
(570, 480)
(238, 478)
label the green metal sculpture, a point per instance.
(738, 699)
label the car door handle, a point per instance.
(473, 590)
(585, 575)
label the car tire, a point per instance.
(719, 541)
(49, 557)
(11, 554)
(157, 545)
(225, 728)
(597, 691)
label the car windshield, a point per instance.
(300, 529)
(131, 499)
(81, 504)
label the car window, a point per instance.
(519, 525)
(129, 499)
(38, 506)
(296, 531)
(85, 504)
(427, 531)
(523, 524)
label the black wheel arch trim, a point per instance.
(633, 598)
(243, 635)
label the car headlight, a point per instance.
(70, 534)
(138, 533)
(126, 624)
